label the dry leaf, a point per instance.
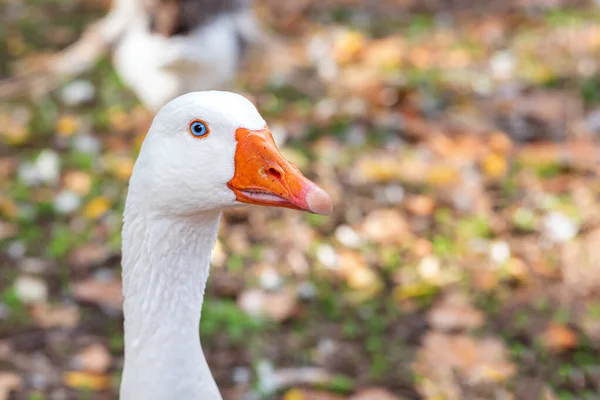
(442, 175)
(121, 166)
(275, 306)
(96, 208)
(577, 154)
(581, 264)
(347, 46)
(9, 382)
(7, 230)
(374, 394)
(88, 255)
(386, 226)
(385, 53)
(104, 293)
(495, 165)
(500, 142)
(446, 362)
(8, 208)
(67, 125)
(94, 358)
(420, 205)
(87, 381)
(559, 338)
(307, 394)
(78, 182)
(61, 316)
(454, 312)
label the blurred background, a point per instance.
(459, 141)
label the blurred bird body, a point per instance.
(161, 48)
(159, 68)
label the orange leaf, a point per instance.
(86, 380)
(559, 338)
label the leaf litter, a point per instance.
(459, 143)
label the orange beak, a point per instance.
(262, 176)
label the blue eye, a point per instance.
(198, 128)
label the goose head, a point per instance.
(212, 150)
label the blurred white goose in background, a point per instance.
(205, 152)
(161, 48)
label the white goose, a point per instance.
(161, 48)
(205, 152)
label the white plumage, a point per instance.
(179, 187)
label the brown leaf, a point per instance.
(9, 382)
(104, 293)
(275, 306)
(386, 226)
(374, 394)
(454, 312)
(446, 363)
(88, 255)
(581, 264)
(420, 205)
(78, 182)
(577, 154)
(7, 230)
(94, 358)
(61, 316)
(559, 338)
(8, 165)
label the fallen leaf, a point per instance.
(67, 125)
(96, 208)
(61, 316)
(385, 53)
(8, 208)
(385, 226)
(580, 154)
(78, 182)
(8, 165)
(580, 264)
(308, 394)
(374, 394)
(420, 205)
(13, 131)
(446, 362)
(87, 381)
(413, 290)
(495, 165)
(559, 338)
(7, 230)
(500, 142)
(442, 175)
(88, 255)
(121, 167)
(9, 382)
(94, 358)
(347, 45)
(104, 293)
(275, 306)
(454, 312)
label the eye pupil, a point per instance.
(198, 128)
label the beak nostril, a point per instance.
(275, 173)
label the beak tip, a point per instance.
(319, 201)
